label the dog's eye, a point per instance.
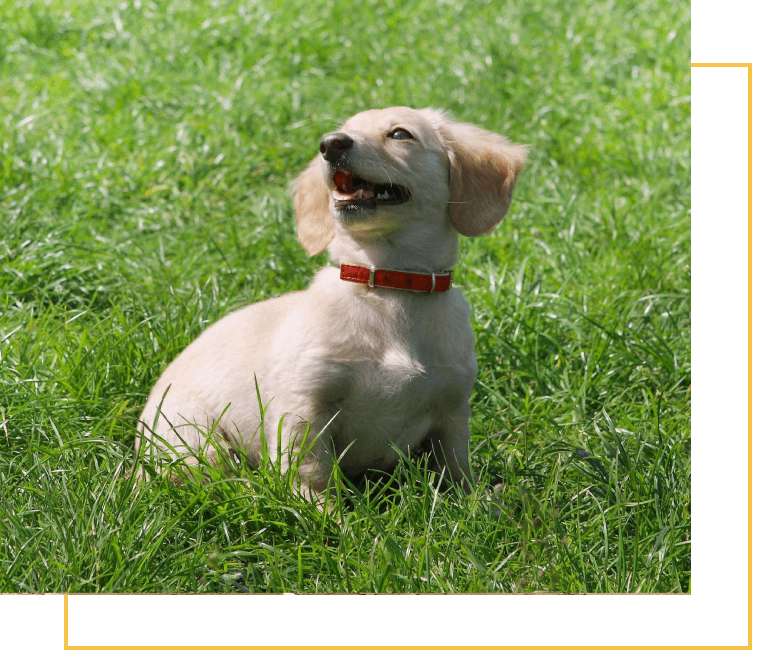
(400, 134)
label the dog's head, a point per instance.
(385, 170)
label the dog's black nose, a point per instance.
(333, 145)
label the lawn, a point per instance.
(146, 154)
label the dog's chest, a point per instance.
(383, 401)
(386, 370)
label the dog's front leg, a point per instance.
(450, 448)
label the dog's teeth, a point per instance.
(359, 194)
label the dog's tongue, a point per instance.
(350, 187)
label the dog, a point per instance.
(377, 355)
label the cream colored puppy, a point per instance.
(362, 366)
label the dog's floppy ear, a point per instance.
(484, 169)
(311, 203)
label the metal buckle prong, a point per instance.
(371, 270)
(434, 282)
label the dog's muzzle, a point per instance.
(352, 190)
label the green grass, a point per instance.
(146, 150)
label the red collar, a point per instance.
(373, 277)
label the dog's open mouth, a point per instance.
(351, 190)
